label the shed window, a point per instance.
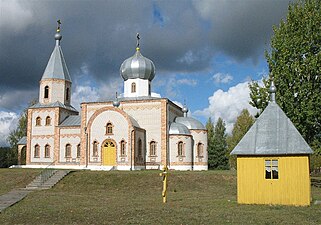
(271, 169)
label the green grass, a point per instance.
(86, 197)
(16, 178)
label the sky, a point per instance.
(205, 51)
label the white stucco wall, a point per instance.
(187, 149)
(98, 132)
(148, 116)
(199, 137)
(142, 88)
(73, 141)
(42, 142)
(43, 129)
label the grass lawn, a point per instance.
(16, 178)
(87, 197)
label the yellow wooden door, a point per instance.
(109, 154)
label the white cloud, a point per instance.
(222, 78)
(83, 94)
(190, 82)
(14, 16)
(8, 122)
(228, 105)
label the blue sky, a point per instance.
(204, 51)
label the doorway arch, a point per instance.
(109, 155)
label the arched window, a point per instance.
(180, 149)
(38, 121)
(48, 121)
(152, 148)
(122, 148)
(47, 151)
(109, 128)
(149, 89)
(68, 151)
(37, 151)
(46, 95)
(200, 148)
(67, 94)
(95, 149)
(78, 151)
(133, 87)
(140, 147)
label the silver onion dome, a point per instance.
(190, 123)
(177, 128)
(137, 66)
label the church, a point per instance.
(136, 130)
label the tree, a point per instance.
(210, 137)
(217, 151)
(242, 124)
(16, 135)
(295, 66)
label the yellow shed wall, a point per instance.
(292, 187)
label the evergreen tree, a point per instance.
(295, 65)
(210, 138)
(242, 124)
(217, 154)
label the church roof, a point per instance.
(272, 134)
(72, 120)
(52, 105)
(178, 128)
(56, 67)
(22, 141)
(190, 123)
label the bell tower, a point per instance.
(55, 84)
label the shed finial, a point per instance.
(272, 91)
(137, 43)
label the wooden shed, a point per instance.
(273, 161)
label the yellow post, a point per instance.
(164, 175)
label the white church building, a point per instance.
(137, 130)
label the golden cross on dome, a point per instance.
(137, 45)
(58, 26)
